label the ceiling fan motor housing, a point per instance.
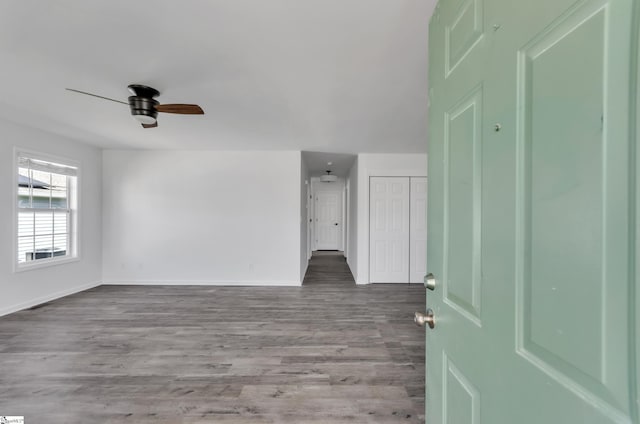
(143, 106)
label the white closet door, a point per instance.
(389, 230)
(418, 230)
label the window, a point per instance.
(46, 211)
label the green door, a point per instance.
(532, 212)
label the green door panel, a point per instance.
(533, 116)
(462, 155)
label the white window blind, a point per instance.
(47, 203)
(44, 166)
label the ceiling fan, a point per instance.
(145, 108)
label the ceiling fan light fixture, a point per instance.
(328, 178)
(145, 119)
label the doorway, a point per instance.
(328, 206)
(328, 216)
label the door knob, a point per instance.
(335, 223)
(430, 281)
(427, 318)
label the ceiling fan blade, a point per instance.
(95, 95)
(155, 124)
(181, 109)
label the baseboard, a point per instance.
(48, 298)
(278, 283)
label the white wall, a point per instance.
(19, 290)
(201, 217)
(352, 236)
(304, 217)
(383, 165)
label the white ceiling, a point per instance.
(318, 163)
(342, 76)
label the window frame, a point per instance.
(73, 199)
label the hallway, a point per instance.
(328, 268)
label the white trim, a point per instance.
(44, 263)
(14, 213)
(47, 298)
(308, 223)
(345, 220)
(278, 283)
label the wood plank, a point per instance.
(326, 352)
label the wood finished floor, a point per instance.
(327, 352)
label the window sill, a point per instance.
(43, 263)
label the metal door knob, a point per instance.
(335, 223)
(430, 281)
(427, 318)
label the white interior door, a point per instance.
(389, 230)
(309, 221)
(328, 220)
(418, 230)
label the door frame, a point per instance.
(309, 217)
(337, 187)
